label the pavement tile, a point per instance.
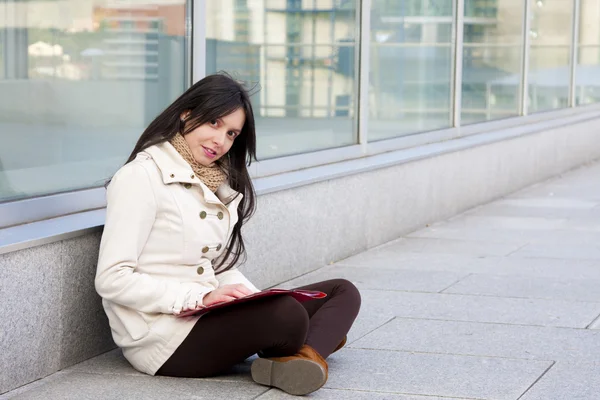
(113, 363)
(434, 374)
(475, 234)
(558, 313)
(588, 224)
(450, 246)
(544, 207)
(82, 386)
(466, 221)
(568, 381)
(398, 259)
(334, 394)
(584, 190)
(372, 278)
(366, 323)
(529, 287)
(595, 324)
(561, 237)
(548, 267)
(483, 339)
(588, 252)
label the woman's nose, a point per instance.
(219, 138)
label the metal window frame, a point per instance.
(524, 85)
(364, 65)
(457, 64)
(574, 53)
(198, 58)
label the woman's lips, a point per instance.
(209, 153)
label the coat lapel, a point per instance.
(174, 169)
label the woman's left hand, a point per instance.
(226, 293)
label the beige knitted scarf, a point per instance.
(213, 176)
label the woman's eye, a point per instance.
(232, 134)
(213, 122)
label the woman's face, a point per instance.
(212, 140)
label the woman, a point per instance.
(172, 238)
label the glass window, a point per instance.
(492, 58)
(550, 37)
(588, 67)
(301, 53)
(410, 67)
(79, 82)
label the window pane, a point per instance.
(550, 38)
(302, 55)
(411, 66)
(491, 59)
(588, 66)
(79, 82)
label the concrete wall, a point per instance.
(51, 316)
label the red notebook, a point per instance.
(298, 294)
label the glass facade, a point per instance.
(301, 53)
(587, 74)
(79, 82)
(550, 36)
(410, 67)
(492, 59)
(81, 79)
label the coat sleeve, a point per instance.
(234, 276)
(130, 214)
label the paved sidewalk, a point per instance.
(502, 302)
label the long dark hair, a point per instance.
(212, 98)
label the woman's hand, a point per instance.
(226, 293)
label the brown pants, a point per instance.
(275, 327)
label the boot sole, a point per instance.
(297, 377)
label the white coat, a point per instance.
(164, 228)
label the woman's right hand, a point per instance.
(226, 293)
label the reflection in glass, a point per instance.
(410, 67)
(79, 82)
(301, 54)
(587, 90)
(587, 75)
(492, 53)
(549, 56)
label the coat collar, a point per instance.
(174, 169)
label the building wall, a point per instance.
(293, 232)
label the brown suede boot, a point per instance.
(300, 374)
(342, 343)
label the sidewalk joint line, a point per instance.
(403, 393)
(491, 323)
(516, 250)
(454, 354)
(594, 322)
(537, 380)
(268, 389)
(482, 295)
(460, 279)
(372, 330)
(301, 276)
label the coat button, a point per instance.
(192, 176)
(218, 247)
(200, 270)
(205, 249)
(187, 185)
(203, 214)
(220, 215)
(172, 175)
